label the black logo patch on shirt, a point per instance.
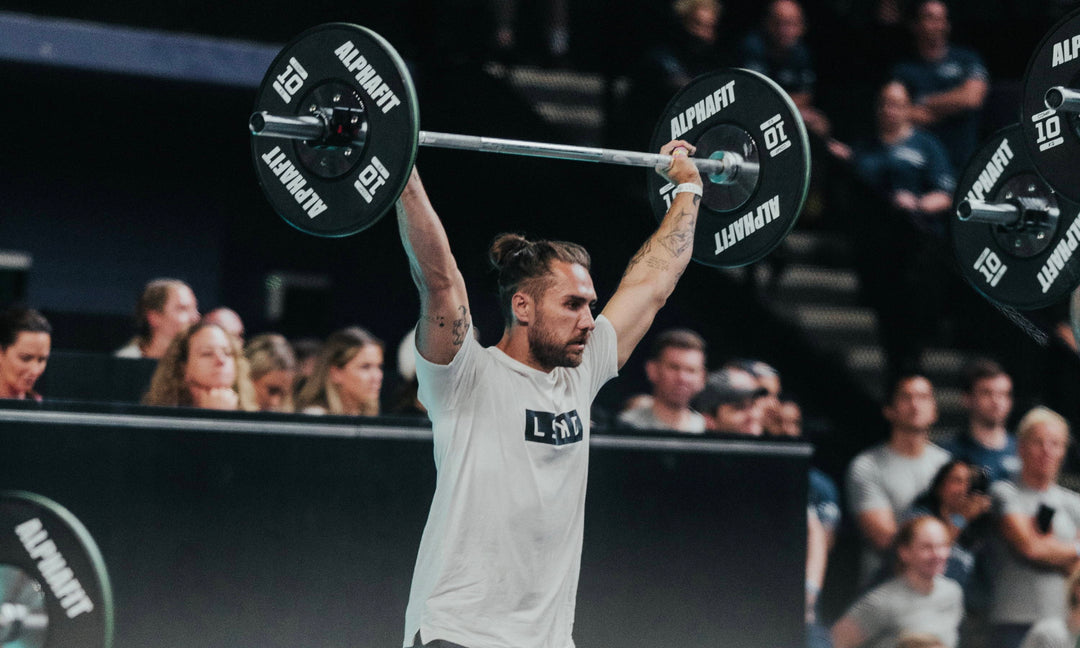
(556, 429)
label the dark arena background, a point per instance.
(126, 157)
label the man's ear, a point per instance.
(523, 308)
(651, 370)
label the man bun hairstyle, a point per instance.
(525, 266)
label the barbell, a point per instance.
(336, 129)
(1015, 230)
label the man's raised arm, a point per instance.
(444, 307)
(652, 274)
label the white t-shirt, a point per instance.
(500, 555)
(892, 609)
(879, 479)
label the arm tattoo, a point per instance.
(461, 326)
(681, 236)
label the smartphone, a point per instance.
(1044, 518)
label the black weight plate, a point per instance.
(1008, 275)
(1052, 137)
(46, 549)
(351, 188)
(738, 109)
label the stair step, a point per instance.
(827, 249)
(817, 285)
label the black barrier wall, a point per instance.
(244, 530)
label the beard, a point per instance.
(551, 352)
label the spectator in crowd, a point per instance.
(166, 308)
(273, 371)
(883, 481)
(900, 270)
(768, 378)
(25, 343)
(691, 49)
(1056, 631)
(948, 83)
(902, 162)
(203, 367)
(228, 320)
(778, 52)
(731, 403)
(988, 399)
(406, 398)
(676, 371)
(822, 520)
(959, 499)
(348, 375)
(1039, 542)
(556, 35)
(918, 599)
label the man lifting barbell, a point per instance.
(499, 559)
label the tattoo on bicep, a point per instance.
(437, 320)
(636, 259)
(461, 326)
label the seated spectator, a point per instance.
(903, 163)
(203, 367)
(228, 320)
(347, 378)
(778, 52)
(822, 520)
(963, 506)
(769, 379)
(676, 371)
(406, 400)
(1059, 632)
(689, 49)
(882, 482)
(1039, 540)
(25, 343)
(273, 372)
(987, 397)
(166, 308)
(948, 83)
(918, 599)
(731, 402)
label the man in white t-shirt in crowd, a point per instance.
(884, 480)
(500, 555)
(676, 370)
(166, 308)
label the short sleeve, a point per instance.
(1006, 499)
(601, 355)
(869, 613)
(865, 491)
(441, 387)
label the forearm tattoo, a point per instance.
(675, 242)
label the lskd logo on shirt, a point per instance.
(556, 429)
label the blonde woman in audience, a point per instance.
(203, 367)
(166, 308)
(25, 342)
(918, 599)
(273, 371)
(347, 378)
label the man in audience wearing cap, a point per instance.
(731, 402)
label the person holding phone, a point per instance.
(1039, 522)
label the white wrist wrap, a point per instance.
(687, 187)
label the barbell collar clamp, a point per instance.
(1022, 212)
(1062, 99)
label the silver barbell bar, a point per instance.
(722, 169)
